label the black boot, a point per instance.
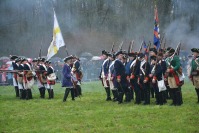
(43, 92)
(173, 96)
(80, 90)
(21, 93)
(170, 93)
(152, 92)
(197, 92)
(132, 94)
(120, 97)
(115, 95)
(40, 92)
(52, 93)
(30, 93)
(27, 94)
(164, 96)
(49, 95)
(160, 98)
(148, 96)
(66, 94)
(157, 98)
(181, 100)
(108, 94)
(178, 98)
(137, 96)
(72, 94)
(17, 91)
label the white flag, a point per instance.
(57, 41)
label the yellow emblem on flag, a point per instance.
(56, 30)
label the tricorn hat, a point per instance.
(118, 53)
(13, 57)
(24, 59)
(153, 57)
(153, 50)
(141, 55)
(195, 50)
(132, 54)
(68, 58)
(35, 60)
(104, 52)
(42, 59)
(18, 60)
(170, 50)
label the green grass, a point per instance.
(92, 113)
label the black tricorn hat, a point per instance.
(132, 54)
(161, 50)
(42, 59)
(18, 60)
(104, 52)
(170, 50)
(68, 58)
(118, 53)
(153, 57)
(112, 55)
(13, 57)
(160, 54)
(141, 55)
(48, 62)
(35, 60)
(24, 59)
(195, 50)
(153, 50)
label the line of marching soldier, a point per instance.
(25, 73)
(132, 73)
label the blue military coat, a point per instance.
(66, 81)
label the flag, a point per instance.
(57, 40)
(156, 29)
(145, 46)
(146, 53)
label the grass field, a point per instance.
(92, 113)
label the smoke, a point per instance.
(185, 26)
(91, 26)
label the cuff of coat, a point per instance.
(118, 77)
(171, 71)
(146, 78)
(132, 76)
(154, 77)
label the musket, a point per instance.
(112, 48)
(40, 50)
(66, 50)
(112, 51)
(129, 49)
(161, 40)
(176, 50)
(179, 48)
(120, 47)
(140, 49)
(132, 45)
(164, 45)
(146, 54)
